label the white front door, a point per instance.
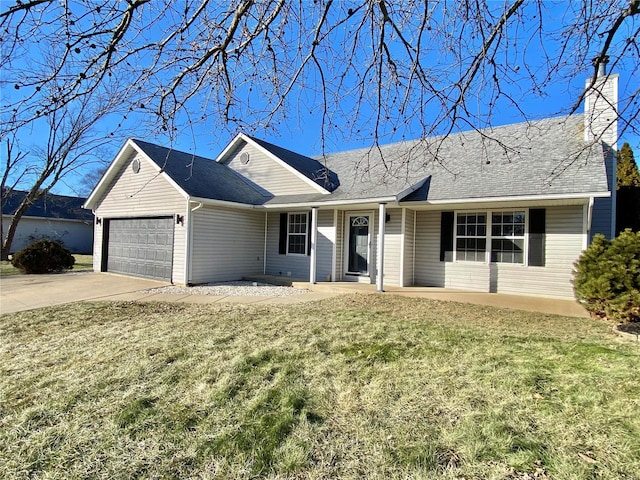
(358, 244)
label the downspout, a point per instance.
(95, 262)
(189, 242)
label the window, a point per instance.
(500, 234)
(297, 234)
(471, 236)
(507, 237)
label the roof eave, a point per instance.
(515, 198)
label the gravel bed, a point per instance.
(233, 289)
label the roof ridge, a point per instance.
(445, 136)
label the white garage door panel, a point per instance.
(141, 247)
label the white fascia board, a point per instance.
(333, 203)
(223, 203)
(246, 139)
(232, 144)
(519, 198)
(108, 175)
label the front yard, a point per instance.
(353, 387)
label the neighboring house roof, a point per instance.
(48, 206)
(201, 177)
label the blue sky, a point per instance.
(301, 129)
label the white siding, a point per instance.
(392, 246)
(146, 193)
(326, 239)
(268, 174)
(467, 276)
(296, 266)
(75, 235)
(227, 244)
(339, 246)
(563, 244)
(429, 270)
(409, 239)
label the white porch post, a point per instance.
(380, 273)
(314, 245)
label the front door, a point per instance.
(358, 244)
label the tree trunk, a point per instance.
(34, 194)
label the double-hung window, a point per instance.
(507, 236)
(471, 236)
(496, 236)
(297, 224)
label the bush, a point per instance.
(43, 256)
(607, 277)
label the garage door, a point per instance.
(140, 246)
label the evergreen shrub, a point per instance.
(607, 277)
(43, 256)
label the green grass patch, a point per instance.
(355, 387)
(83, 263)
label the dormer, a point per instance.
(275, 170)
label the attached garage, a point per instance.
(139, 246)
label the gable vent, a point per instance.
(244, 158)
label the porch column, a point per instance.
(314, 244)
(380, 273)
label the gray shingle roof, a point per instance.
(49, 206)
(545, 157)
(202, 177)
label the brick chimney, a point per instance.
(601, 106)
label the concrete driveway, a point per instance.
(24, 292)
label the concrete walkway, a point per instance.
(25, 292)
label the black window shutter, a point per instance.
(537, 230)
(446, 236)
(283, 234)
(309, 233)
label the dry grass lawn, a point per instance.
(354, 387)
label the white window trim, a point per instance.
(306, 234)
(525, 236)
(489, 236)
(455, 236)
